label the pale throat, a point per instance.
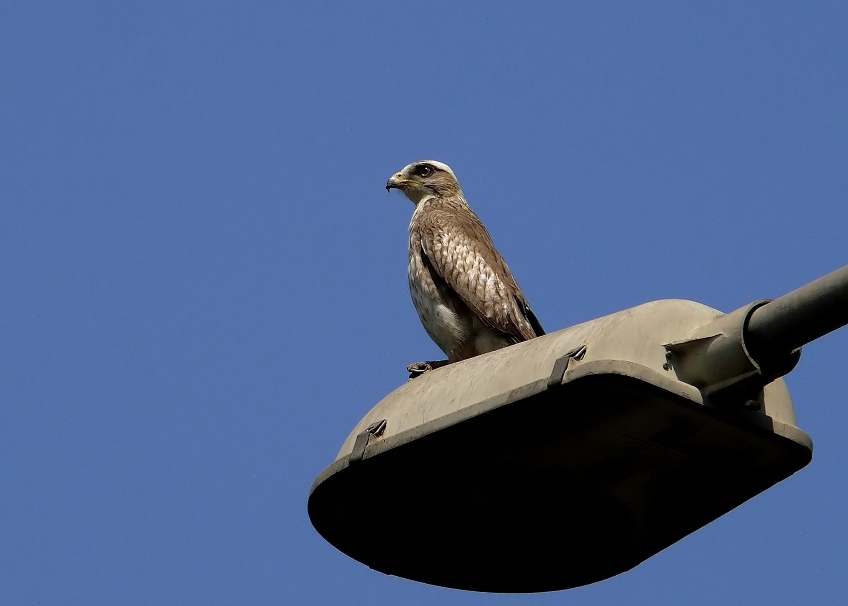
(418, 194)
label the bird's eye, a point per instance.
(425, 171)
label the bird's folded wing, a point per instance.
(461, 252)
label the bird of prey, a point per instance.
(461, 287)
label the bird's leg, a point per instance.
(419, 368)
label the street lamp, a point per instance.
(573, 457)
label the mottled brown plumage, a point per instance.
(464, 293)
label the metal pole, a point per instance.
(803, 315)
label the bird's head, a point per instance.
(425, 178)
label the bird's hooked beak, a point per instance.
(396, 181)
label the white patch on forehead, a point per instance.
(436, 163)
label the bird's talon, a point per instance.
(417, 369)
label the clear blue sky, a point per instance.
(204, 281)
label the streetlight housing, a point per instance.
(566, 459)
